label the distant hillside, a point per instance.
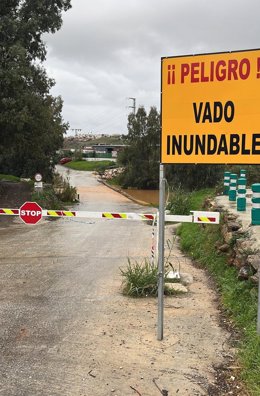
(79, 142)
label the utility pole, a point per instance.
(76, 131)
(134, 104)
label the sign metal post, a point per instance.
(161, 253)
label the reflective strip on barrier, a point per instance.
(9, 212)
(206, 217)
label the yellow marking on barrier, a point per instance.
(109, 215)
(68, 214)
(204, 219)
(123, 215)
(52, 213)
(8, 211)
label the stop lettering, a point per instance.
(30, 213)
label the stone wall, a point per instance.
(240, 244)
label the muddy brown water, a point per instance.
(148, 196)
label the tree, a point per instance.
(31, 125)
(141, 156)
(194, 176)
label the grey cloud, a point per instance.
(108, 50)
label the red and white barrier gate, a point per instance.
(32, 213)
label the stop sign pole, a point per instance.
(30, 213)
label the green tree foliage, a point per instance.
(194, 176)
(141, 157)
(31, 125)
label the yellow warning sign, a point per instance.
(210, 106)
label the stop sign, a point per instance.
(30, 212)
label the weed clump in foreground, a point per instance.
(141, 280)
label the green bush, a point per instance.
(9, 178)
(64, 191)
(47, 199)
(53, 196)
(179, 202)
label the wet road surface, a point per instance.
(54, 279)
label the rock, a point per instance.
(173, 275)
(246, 245)
(255, 279)
(177, 287)
(233, 226)
(231, 217)
(228, 237)
(186, 279)
(239, 260)
(224, 248)
(254, 261)
(244, 273)
(218, 208)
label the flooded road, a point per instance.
(55, 278)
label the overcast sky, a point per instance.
(110, 50)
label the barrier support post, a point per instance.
(161, 253)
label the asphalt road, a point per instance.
(54, 277)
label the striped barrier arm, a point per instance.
(101, 215)
(59, 213)
(10, 212)
(196, 216)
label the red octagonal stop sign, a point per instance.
(30, 212)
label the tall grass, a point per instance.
(140, 279)
(181, 202)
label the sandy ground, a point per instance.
(184, 363)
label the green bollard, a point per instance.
(226, 182)
(255, 213)
(243, 173)
(241, 194)
(232, 194)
